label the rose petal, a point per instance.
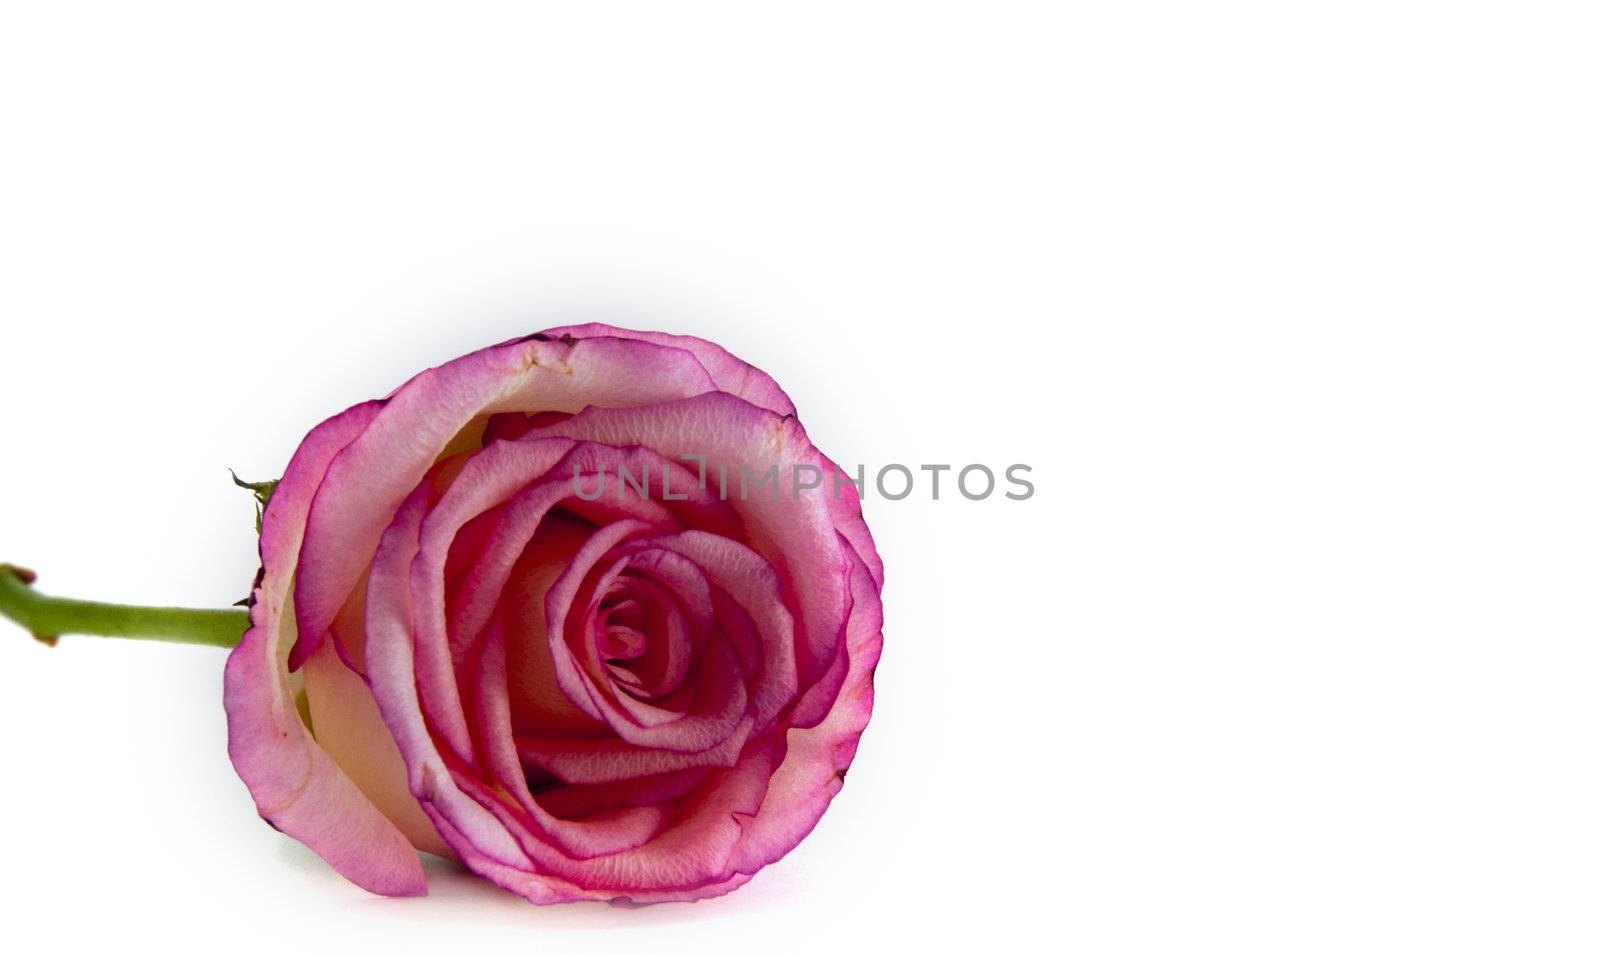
(613, 830)
(754, 585)
(813, 769)
(348, 726)
(296, 786)
(719, 697)
(596, 761)
(795, 533)
(368, 480)
(730, 373)
(470, 830)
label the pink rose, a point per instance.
(640, 696)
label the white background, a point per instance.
(1291, 308)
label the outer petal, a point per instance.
(297, 787)
(347, 724)
(814, 768)
(732, 374)
(367, 481)
(844, 503)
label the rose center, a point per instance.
(643, 636)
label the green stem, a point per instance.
(50, 617)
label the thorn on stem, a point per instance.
(21, 573)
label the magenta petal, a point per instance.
(559, 602)
(813, 769)
(612, 830)
(752, 583)
(719, 694)
(296, 786)
(701, 848)
(486, 480)
(613, 760)
(844, 504)
(541, 889)
(576, 800)
(795, 533)
(470, 830)
(499, 474)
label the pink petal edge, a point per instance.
(296, 786)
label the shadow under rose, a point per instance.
(455, 894)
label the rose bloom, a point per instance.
(641, 697)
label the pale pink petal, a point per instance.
(732, 375)
(347, 725)
(296, 786)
